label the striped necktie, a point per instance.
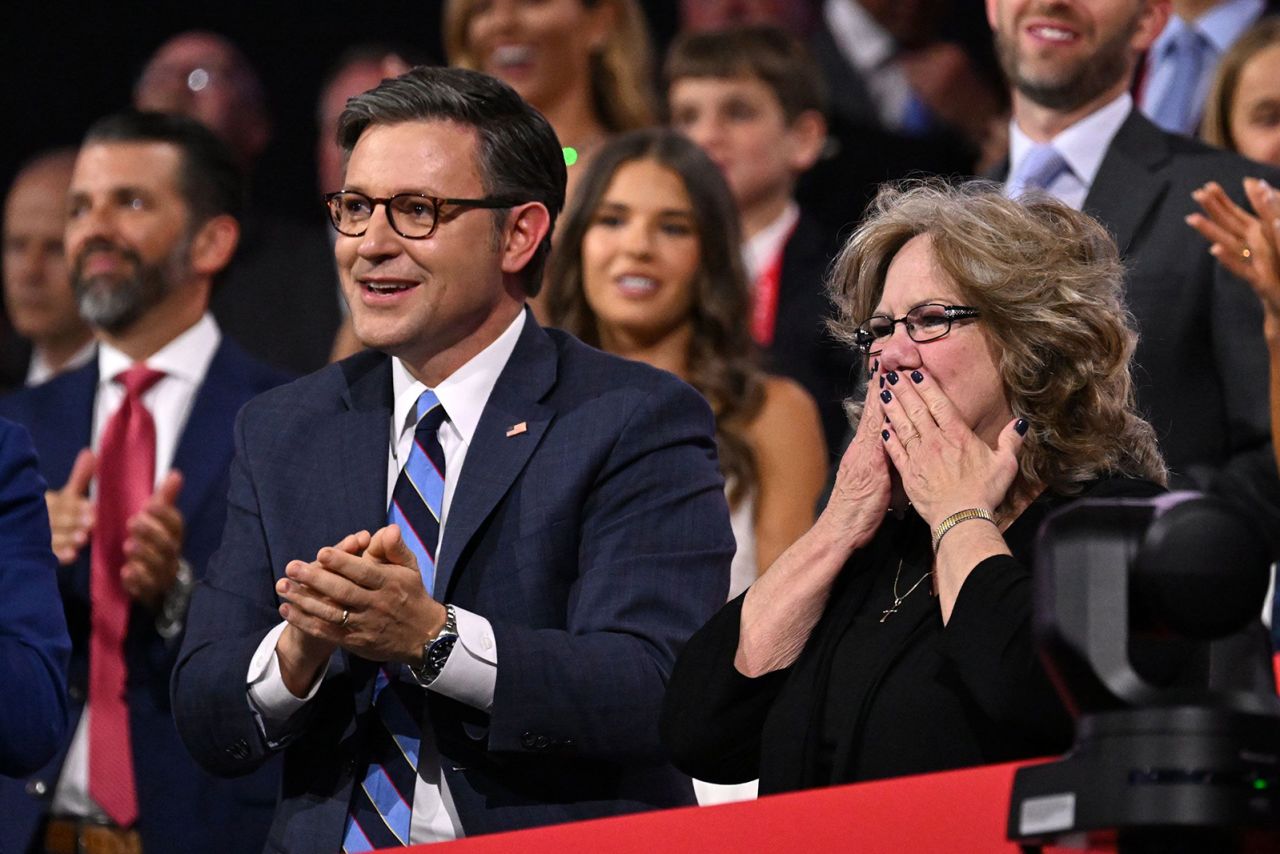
(1039, 169)
(382, 805)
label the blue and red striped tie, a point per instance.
(382, 805)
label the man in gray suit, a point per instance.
(1201, 362)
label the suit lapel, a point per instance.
(495, 459)
(208, 439)
(1129, 184)
(358, 442)
(70, 405)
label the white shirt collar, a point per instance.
(1221, 25)
(186, 357)
(39, 370)
(861, 39)
(769, 242)
(464, 393)
(1083, 145)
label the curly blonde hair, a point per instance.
(621, 72)
(1048, 282)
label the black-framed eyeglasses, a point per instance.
(412, 215)
(927, 322)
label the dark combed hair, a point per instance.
(721, 355)
(518, 153)
(774, 56)
(209, 178)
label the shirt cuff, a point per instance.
(471, 673)
(273, 703)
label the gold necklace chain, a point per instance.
(898, 600)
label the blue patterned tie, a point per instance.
(382, 806)
(1178, 110)
(1039, 168)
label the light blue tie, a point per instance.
(1038, 170)
(1177, 110)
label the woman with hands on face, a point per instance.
(894, 637)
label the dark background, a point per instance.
(65, 64)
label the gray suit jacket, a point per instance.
(1201, 368)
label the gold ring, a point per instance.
(906, 443)
(346, 615)
(1246, 255)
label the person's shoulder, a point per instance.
(787, 415)
(248, 371)
(66, 390)
(316, 393)
(586, 370)
(1199, 162)
(616, 389)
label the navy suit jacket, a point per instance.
(595, 542)
(178, 803)
(34, 645)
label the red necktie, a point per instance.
(126, 478)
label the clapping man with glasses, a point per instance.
(458, 566)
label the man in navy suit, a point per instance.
(33, 634)
(582, 537)
(153, 204)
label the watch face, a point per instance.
(439, 653)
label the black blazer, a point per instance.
(977, 681)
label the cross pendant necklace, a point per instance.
(898, 599)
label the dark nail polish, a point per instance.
(882, 382)
(893, 377)
(884, 434)
(917, 377)
(886, 396)
(875, 366)
(1022, 426)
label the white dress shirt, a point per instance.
(470, 674)
(184, 361)
(39, 370)
(1083, 146)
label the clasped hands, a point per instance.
(154, 535)
(912, 428)
(363, 594)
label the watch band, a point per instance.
(435, 652)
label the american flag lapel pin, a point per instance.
(517, 429)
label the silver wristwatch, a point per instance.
(435, 652)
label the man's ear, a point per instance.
(214, 244)
(526, 225)
(808, 134)
(1151, 22)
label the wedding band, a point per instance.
(1246, 255)
(346, 615)
(906, 439)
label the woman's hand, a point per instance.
(943, 464)
(860, 496)
(1243, 243)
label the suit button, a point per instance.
(37, 788)
(76, 693)
(541, 742)
(529, 740)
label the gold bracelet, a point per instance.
(955, 519)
